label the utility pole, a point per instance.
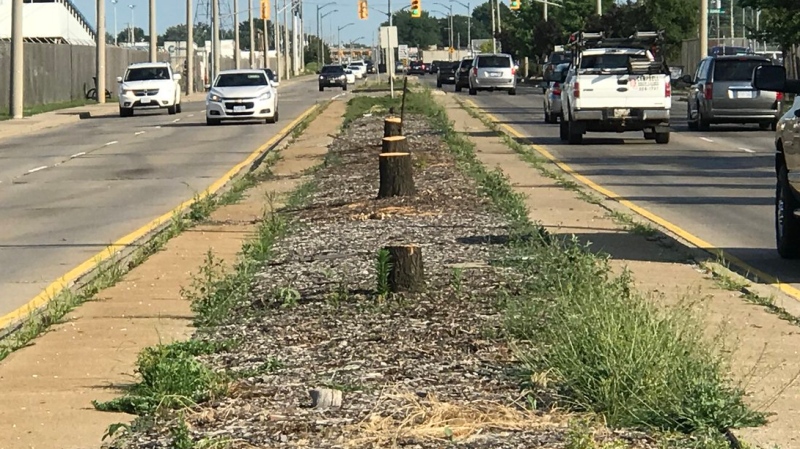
(302, 38)
(733, 34)
(100, 69)
(237, 61)
(252, 34)
(499, 28)
(276, 25)
(266, 45)
(132, 29)
(153, 33)
(494, 28)
(17, 63)
(215, 38)
(703, 28)
(286, 60)
(599, 7)
(116, 32)
(189, 49)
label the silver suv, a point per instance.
(493, 71)
(720, 92)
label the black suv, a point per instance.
(416, 68)
(446, 73)
(462, 74)
(332, 76)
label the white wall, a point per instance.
(45, 20)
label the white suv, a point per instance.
(149, 85)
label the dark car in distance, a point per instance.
(370, 67)
(446, 73)
(332, 76)
(434, 66)
(416, 68)
(462, 74)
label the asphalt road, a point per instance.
(69, 192)
(718, 185)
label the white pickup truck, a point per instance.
(616, 85)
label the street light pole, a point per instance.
(132, 29)
(339, 39)
(469, 25)
(236, 59)
(189, 49)
(100, 69)
(703, 28)
(215, 37)
(494, 41)
(320, 57)
(153, 33)
(116, 32)
(252, 34)
(17, 62)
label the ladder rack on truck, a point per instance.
(651, 41)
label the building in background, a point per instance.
(49, 21)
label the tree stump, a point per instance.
(323, 398)
(392, 126)
(407, 273)
(394, 144)
(397, 175)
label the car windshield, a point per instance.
(736, 70)
(466, 63)
(332, 69)
(609, 62)
(354, 66)
(147, 73)
(558, 58)
(241, 79)
(494, 61)
(270, 74)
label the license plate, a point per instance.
(239, 109)
(145, 100)
(744, 94)
(495, 74)
(619, 113)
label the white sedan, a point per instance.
(358, 70)
(350, 76)
(243, 94)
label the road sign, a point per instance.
(402, 51)
(388, 34)
(716, 11)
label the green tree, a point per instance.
(312, 50)
(201, 33)
(779, 22)
(244, 34)
(420, 32)
(138, 35)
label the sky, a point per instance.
(173, 12)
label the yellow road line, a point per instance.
(675, 229)
(111, 250)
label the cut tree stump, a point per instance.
(392, 126)
(394, 144)
(407, 273)
(397, 175)
(323, 398)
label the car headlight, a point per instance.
(265, 96)
(342, 77)
(127, 92)
(322, 77)
(214, 97)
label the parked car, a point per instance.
(243, 94)
(446, 73)
(399, 68)
(332, 76)
(462, 74)
(416, 68)
(772, 78)
(552, 97)
(149, 85)
(721, 92)
(493, 71)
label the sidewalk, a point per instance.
(764, 347)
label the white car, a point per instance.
(149, 85)
(245, 94)
(351, 77)
(359, 68)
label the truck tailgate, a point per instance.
(623, 91)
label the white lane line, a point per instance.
(176, 120)
(340, 95)
(77, 155)
(190, 115)
(706, 139)
(138, 133)
(157, 127)
(748, 150)
(34, 170)
(113, 142)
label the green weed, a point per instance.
(383, 267)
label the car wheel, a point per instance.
(574, 137)
(547, 117)
(458, 88)
(212, 121)
(692, 123)
(563, 130)
(171, 110)
(774, 125)
(438, 84)
(662, 138)
(178, 108)
(321, 89)
(787, 226)
(344, 87)
(702, 124)
(512, 91)
(473, 91)
(649, 135)
(125, 112)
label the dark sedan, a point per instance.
(416, 68)
(462, 74)
(332, 76)
(446, 73)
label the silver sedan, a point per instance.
(552, 98)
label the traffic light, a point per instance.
(265, 9)
(363, 10)
(416, 9)
(513, 4)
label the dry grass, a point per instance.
(428, 418)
